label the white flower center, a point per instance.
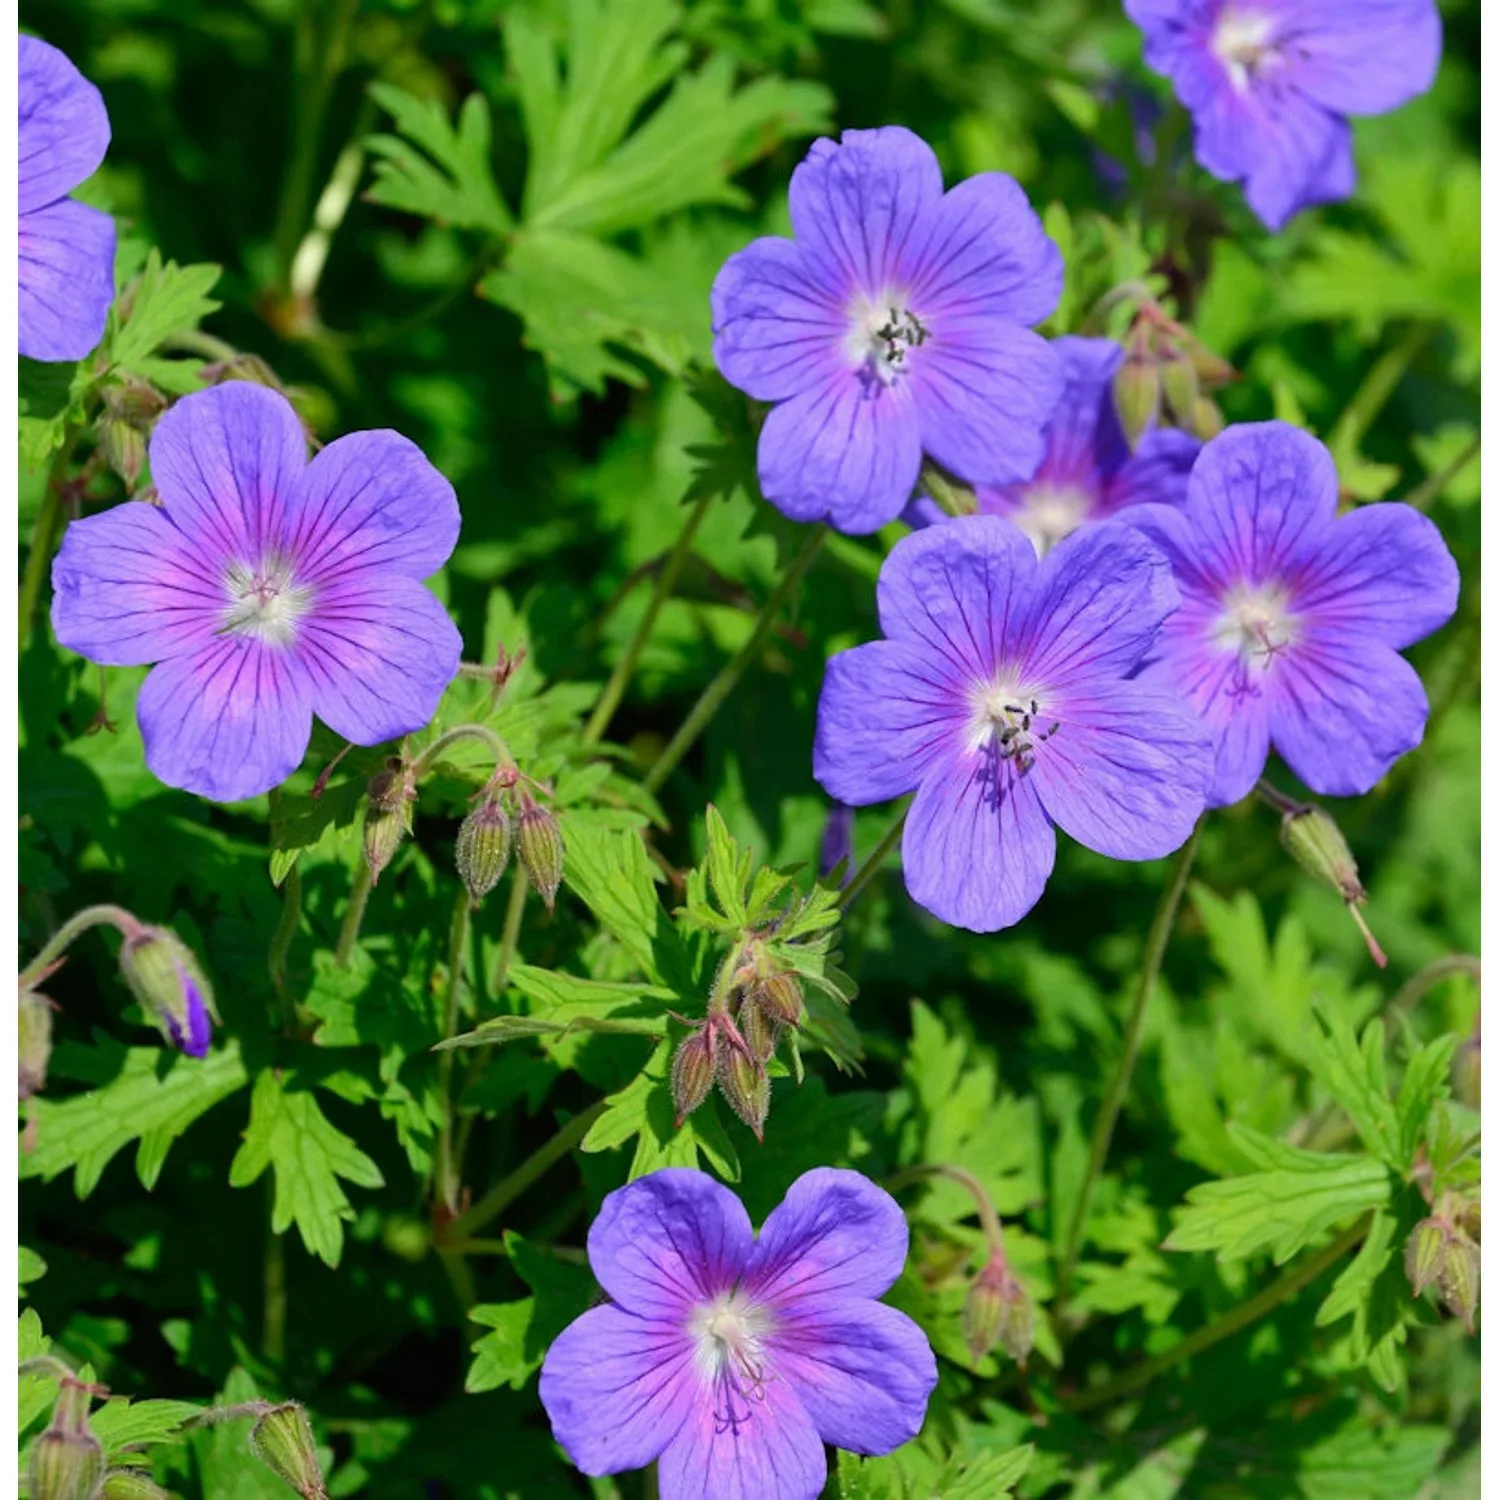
(728, 1332)
(1009, 722)
(1256, 623)
(1049, 512)
(883, 331)
(265, 601)
(1242, 41)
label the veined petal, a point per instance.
(127, 590)
(835, 1234)
(978, 847)
(884, 713)
(227, 721)
(1365, 57)
(667, 1241)
(377, 657)
(65, 280)
(862, 1370)
(770, 1451)
(63, 129)
(1306, 157)
(371, 503)
(846, 451)
(226, 462)
(1156, 474)
(618, 1388)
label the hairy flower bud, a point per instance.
(744, 1082)
(692, 1073)
(131, 1484)
(1313, 839)
(35, 1042)
(483, 849)
(1425, 1249)
(758, 1025)
(997, 1312)
(66, 1460)
(1458, 1278)
(1137, 389)
(123, 447)
(1207, 421)
(283, 1441)
(539, 847)
(781, 994)
(1179, 385)
(165, 978)
(387, 821)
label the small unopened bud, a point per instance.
(1212, 372)
(483, 849)
(131, 1484)
(1207, 420)
(1458, 1278)
(744, 1082)
(1425, 1249)
(1179, 385)
(539, 847)
(997, 1312)
(164, 976)
(283, 1441)
(758, 1026)
(781, 994)
(123, 447)
(1313, 839)
(389, 795)
(249, 367)
(35, 1044)
(1137, 389)
(66, 1460)
(692, 1073)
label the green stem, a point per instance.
(354, 914)
(273, 1327)
(91, 916)
(989, 1220)
(456, 735)
(508, 1189)
(196, 341)
(44, 535)
(1283, 1289)
(510, 933)
(1375, 390)
(333, 203)
(459, 1277)
(722, 685)
(281, 943)
(666, 581)
(1434, 485)
(871, 867)
(954, 497)
(448, 1172)
(1114, 1098)
(1432, 974)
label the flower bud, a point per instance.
(387, 821)
(539, 847)
(1179, 385)
(1313, 839)
(781, 995)
(35, 1045)
(131, 1484)
(758, 1026)
(283, 1441)
(66, 1460)
(1211, 371)
(1207, 420)
(1425, 1249)
(123, 447)
(1137, 389)
(1458, 1278)
(997, 1311)
(165, 978)
(483, 849)
(744, 1082)
(692, 1073)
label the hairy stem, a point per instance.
(666, 581)
(354, 914)
(460, 732)
(1119, 1084)
(448, 1172)
(989, 1220)
(722, 685)
(871, 867)
(1432, 974)
(44, 535)
(273, 1325)
(1434, 485)
(1283, 1289)
(281, 943)
(1376, 389)
(80, 922)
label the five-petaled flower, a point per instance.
(266, 589)
(66, 259)
(896, 323)
(1292, 617)
(732, 1359)
(1002, 694)
(1270, 84)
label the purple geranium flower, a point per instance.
(733, 1360)
(1291, 617)
(66, 260)
(896, 323)
(1270, 84)
(267, 589)
(1002, 695)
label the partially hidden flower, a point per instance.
(1271, 85)
(66, 259)
(896, 323)
(164, 976)
(1292, 616)
(266, 589)
(732, 1360)
(1002, 695)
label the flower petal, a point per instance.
(1305, 157)
(978, 847)
(227, 721)
(835, 1234)
(372, 502)
(65, 280)
(771, 1451)
(885, 712)
(1383, 571)
(1343, 711)
(959, 593)
(1156, 474)
(226, 462)
(862, 1370)
(856, 202)
(63, 128)
(617, 1388)
(777, 326)
(845, 451)
(377, 657)
(984, 391)
(1367, 57)
(668, 1240)
(1127, 772)
(127, 590)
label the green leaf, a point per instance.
(1354, 1072)
(227, 1468)
(122, 1425)
(287, 1130)
(29, 1267)
(167, 299)
(1427, 1080)
(142, 1094)
(453, 182)
(1282, 1209)
(1373, 1289)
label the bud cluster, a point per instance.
(1166, 375)
(130, 410)
(999, 1313)
(34, 1051)
(390, 793)
(1443, 1251)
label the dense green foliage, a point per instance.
(493, 227)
